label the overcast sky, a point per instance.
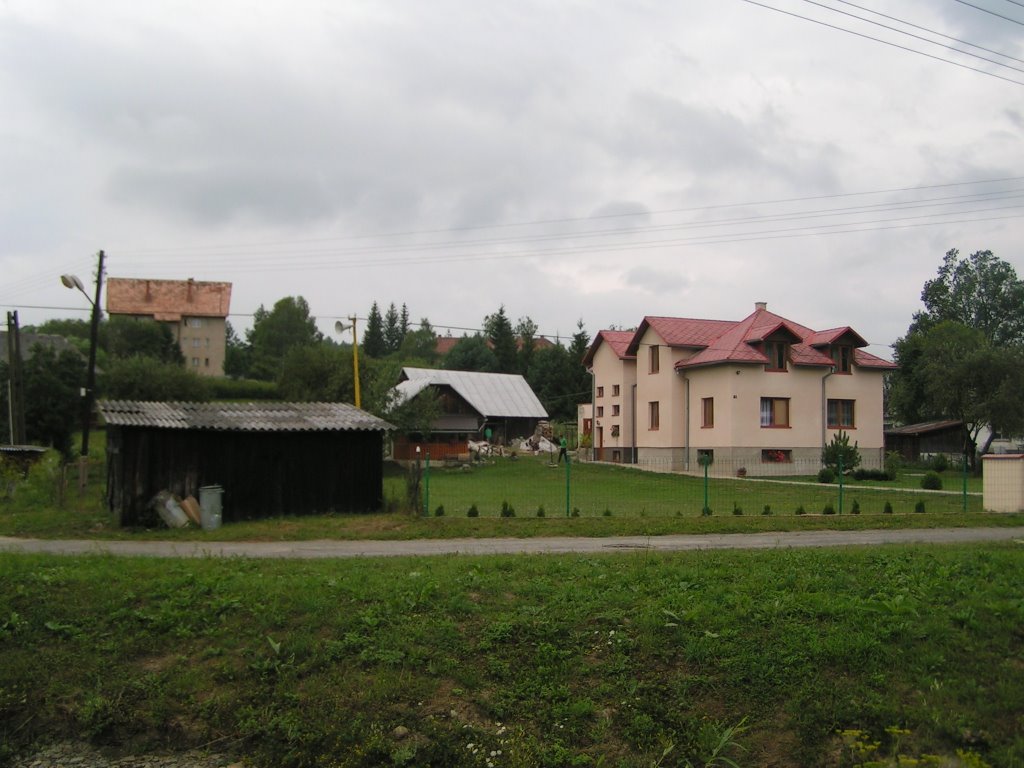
(591, 159)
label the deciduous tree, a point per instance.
(275, 333)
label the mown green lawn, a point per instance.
(785, 658)
(610, 500)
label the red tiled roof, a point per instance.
(167, 300)
(445, 343)
(723, 341)
(618, 341)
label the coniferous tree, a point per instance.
(374, 344)
(526, 332)
(503, 340)
(403, 323)
(392, 330)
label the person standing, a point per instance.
(562, 453)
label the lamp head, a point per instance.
(72, 281)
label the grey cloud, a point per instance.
(657, 281)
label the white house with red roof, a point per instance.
(763, 393)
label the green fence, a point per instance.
(545, 485)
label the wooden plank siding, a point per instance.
(263, 474)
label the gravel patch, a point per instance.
(76, 755)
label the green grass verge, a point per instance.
(627, 660)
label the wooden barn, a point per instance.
(270, 458)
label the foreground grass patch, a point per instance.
(612, 660)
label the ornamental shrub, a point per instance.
(855, 508)
(828, 509)
(439, 512)
(737, 509)
(919, 506)
(931, 481)
(473, 511)
(507, 510)
(887, 509)
(826, 475)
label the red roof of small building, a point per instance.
(167, 300)
(618, 341)
(724, 341)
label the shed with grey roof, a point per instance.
(471, 403)
(270, 458)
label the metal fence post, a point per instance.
(840, 482)
(426, 488)
(568, 484)
(965, 483)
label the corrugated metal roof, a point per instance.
(503, 395)
(241, 417)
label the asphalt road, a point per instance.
(551, 545)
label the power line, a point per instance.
(884, 42)
(594, 217)
(932, 31)
(911, 34)
(990, 12)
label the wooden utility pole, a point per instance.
(90, 382)
(15, 382)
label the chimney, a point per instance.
(761, 306)
(149, 295)
(190, 281)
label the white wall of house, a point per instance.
(613, 403)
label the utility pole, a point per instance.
(90, 382)
(15, 382)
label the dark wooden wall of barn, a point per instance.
(263, 474)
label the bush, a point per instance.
(939, 463)
(826, 475)
(439, 512)
(507, 510)
(919, 506)
(839, 453)
(893, 464)
(737, 509)
(887, 509)
(767, 509)
(800, 510)
(855, 509)
(540, 511)
(931, 481)
(706, 512)
(607, 512)
(472, 511)
(828, 509)
(871, 474)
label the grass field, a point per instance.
(785, 658)
(612, 500)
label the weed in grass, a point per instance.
(439, 512)
(919, 506)
(472, 511)
(507, 510)
(737, 509)
(828, 509)
(767, 509)
(887, 509)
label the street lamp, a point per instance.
(341, 327)
(72, 281)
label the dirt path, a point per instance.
(551, 545)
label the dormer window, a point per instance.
(843, 357)
(776, 352)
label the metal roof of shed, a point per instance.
(503, 395)
(241, 417)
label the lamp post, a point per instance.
(72, 281)
(341, 327)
